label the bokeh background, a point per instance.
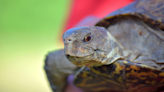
(29, 29)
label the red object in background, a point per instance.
(98, 8)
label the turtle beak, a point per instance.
(76, 50)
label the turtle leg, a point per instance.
(57, 69)
(91, 82)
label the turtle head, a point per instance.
(90, 46)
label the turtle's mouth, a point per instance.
(89, 60)
(79, 61)
(77, 58)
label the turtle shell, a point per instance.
(150, 11)
(126, 76)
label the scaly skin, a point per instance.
(102, 48)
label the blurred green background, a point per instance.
(29, 29)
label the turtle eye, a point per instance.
(87, 38)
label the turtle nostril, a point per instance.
(69, 39)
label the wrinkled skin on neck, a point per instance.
(91, 46)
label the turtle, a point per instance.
(123, 52)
